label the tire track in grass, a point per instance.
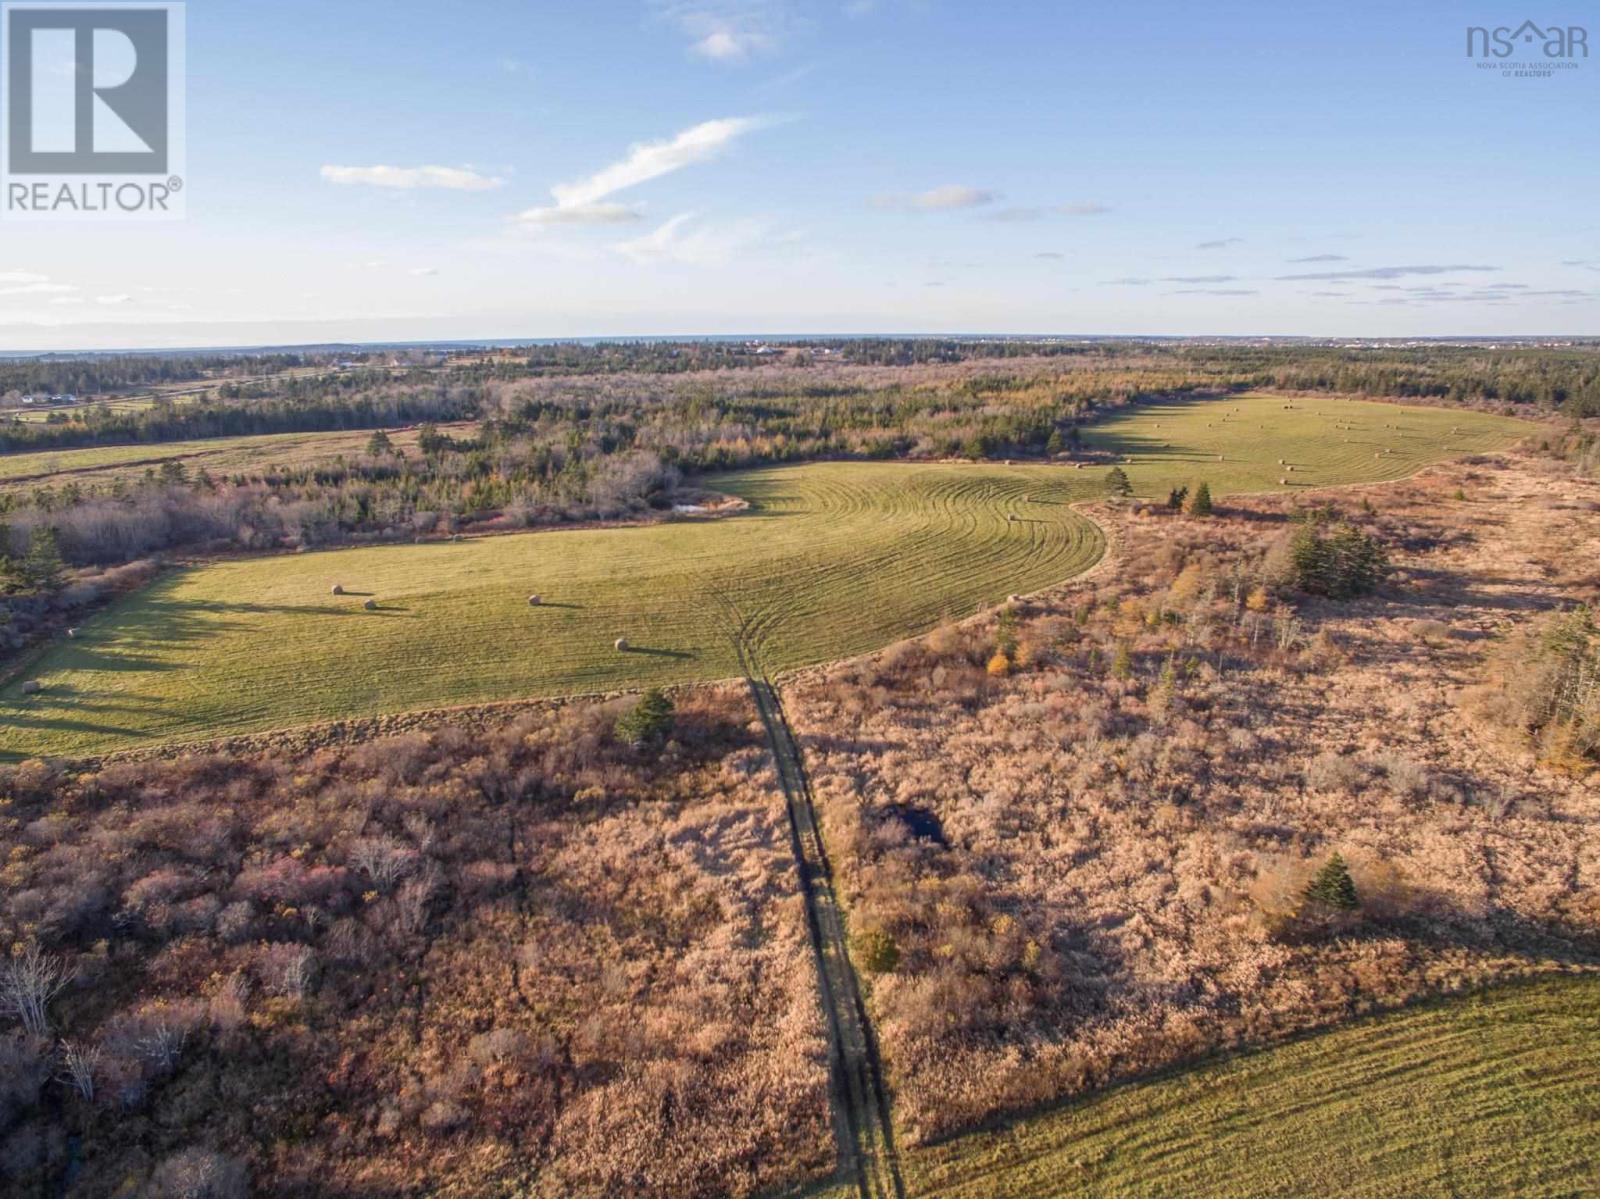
(862, 1125)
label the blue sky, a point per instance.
(371, 170)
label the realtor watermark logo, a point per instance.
(1529, 50)
(93, 125)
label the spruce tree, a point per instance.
(42, 567)
(1176, 498)
(1200, 501)
(650, 721)
(1117, 482)
(9, 575)
(1333, 887)
(1122, 662)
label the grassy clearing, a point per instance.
(1487, 1095)
(832, 559)
(220, 456)
(1236, 445)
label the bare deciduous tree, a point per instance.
(28, 982)
(78, 1062)
(382, 859)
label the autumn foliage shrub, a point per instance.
(518, 956)
(1138, 826)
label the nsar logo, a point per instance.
(94, 111)
(1540, 52)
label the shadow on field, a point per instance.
(656, 652)
(61, 710)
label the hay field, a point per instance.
(832, 559)
(1487, 1095)
(1237, 444)
(220, 455)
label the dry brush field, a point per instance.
(519, 959)
(1090, 863)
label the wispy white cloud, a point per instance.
(729, 31)
(22, 277)
(423, 272)
(40, 288)
(1319, 258)
(581, 214)
(680, 240)
(1388, 272)
(1022, 213)
(940, 199)
(580, 202)
(412, 178)
(120, 297)
(1220, 243)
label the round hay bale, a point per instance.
(1013, 599)
(338, 588)
(371, 605)
(1290, 469)
(1220, 458)
(32, 687)
(1280, 461)
(622, 645)
(534, 601)
(1283, 482)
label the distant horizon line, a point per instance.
(778, 339)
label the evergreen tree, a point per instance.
(10, 576)
(379, 445)
(41, 569)
(1053, 444)
(649, 722)
(1343, 563)
(876, 951)
(1122, 662)
(1005, 632)
(1333, 887)
(1200, 501)
(1176, 498)
(1117, 482)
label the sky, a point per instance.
(375, 170)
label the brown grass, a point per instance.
(1132, 813)
(528, 960)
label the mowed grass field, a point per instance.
(219, 455)
(1269, 443)
(831, 559)
(1495, 1094)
